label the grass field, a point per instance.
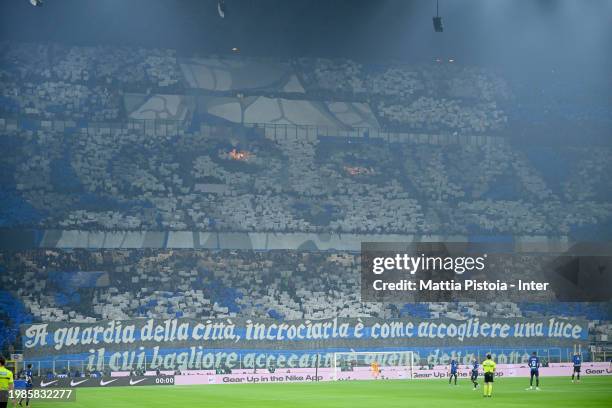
(510, 392)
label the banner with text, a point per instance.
(146, 336)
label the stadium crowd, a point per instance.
(92, 285)
(81, 174)
(60, 168)
(55, 81)
(107, 179)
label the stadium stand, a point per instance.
(99, 181)
(76, 165)
(75, 155)
(89, 286)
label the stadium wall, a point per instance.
(120, 379)
(391, 373)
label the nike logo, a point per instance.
(44, 384)
(75, 383)
(103, 383)
(132, 382)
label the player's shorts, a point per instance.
(535, 373)
(488, 377)
(4, 399)
(576, 369)
(453, 373)
(474, 375)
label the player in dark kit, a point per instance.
(28, 379)
(577, 360)
(534, 366)
(474, 374)
(453, 371)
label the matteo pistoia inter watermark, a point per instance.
(442, 272)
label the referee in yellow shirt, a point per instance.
(6, 383)
(489, 374)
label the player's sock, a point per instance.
(490, 389)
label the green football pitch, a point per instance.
(555, 392)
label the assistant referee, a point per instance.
(488, 367)
(6, 383)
